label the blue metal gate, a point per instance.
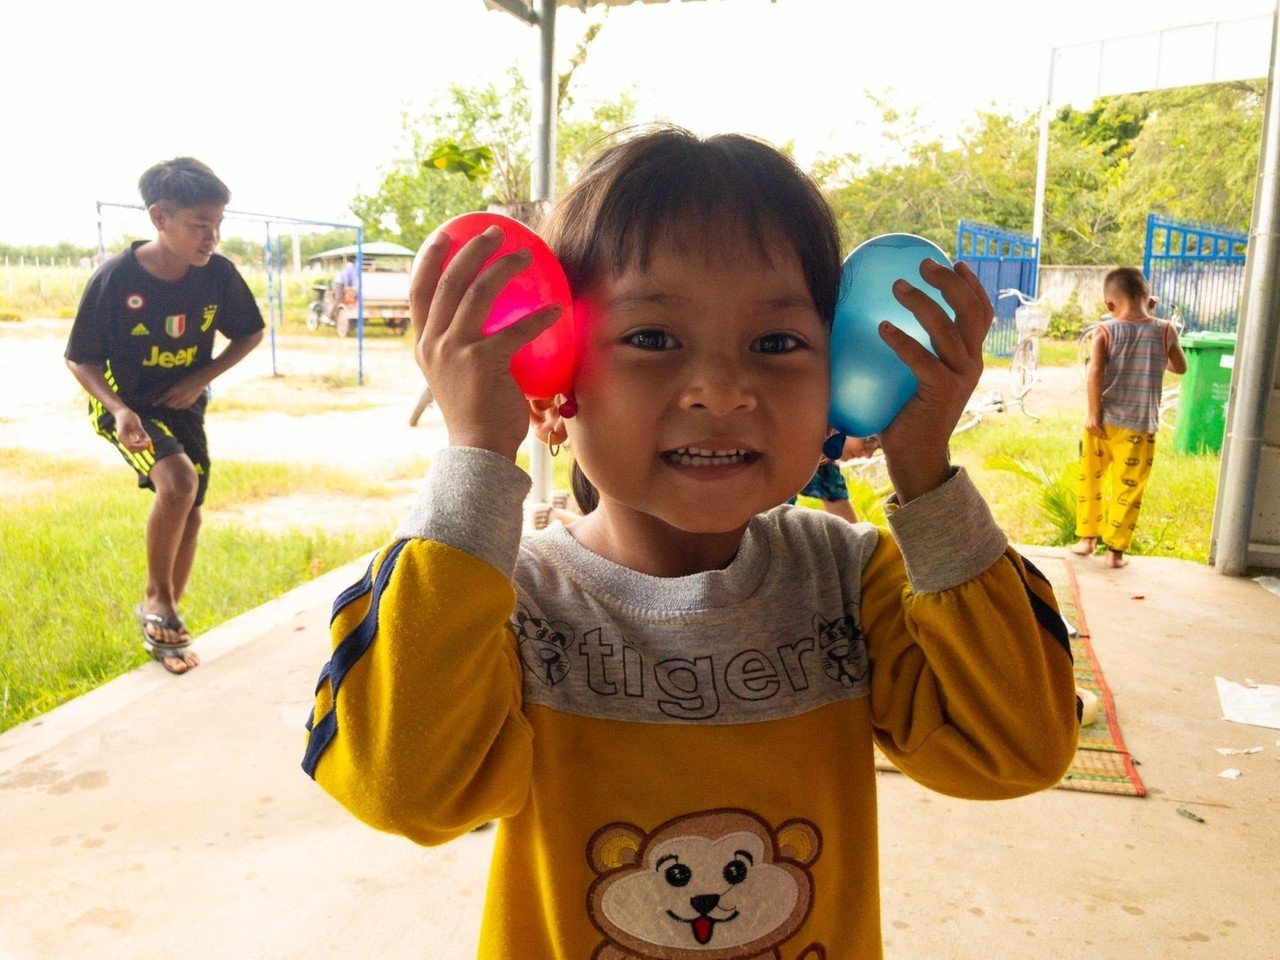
(1196, 270)
(1001, 259)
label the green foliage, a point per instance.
(1067, 321)
(1057, 493)
(867, 496)
(72, 566)
(1190, 153)
(59, 254)
(472, 147)
(473, 163)
(989, 175)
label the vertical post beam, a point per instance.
(543, 186)
(1257, 347)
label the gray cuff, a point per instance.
(947, 536)
(473, 500)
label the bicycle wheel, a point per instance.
(1084, 346)
(1022, 367)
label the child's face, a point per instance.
(189, 233)
(703, 387)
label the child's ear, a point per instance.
(548, 425)
(159, 216)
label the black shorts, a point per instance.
(827, 484)
(171, 431)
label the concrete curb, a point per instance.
(40, 733)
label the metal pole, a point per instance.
(543, 184)
(102, 247)
(1042, 154)
(271, 304)
(1256, 349)
(360, 306)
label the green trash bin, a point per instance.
(1205, 390)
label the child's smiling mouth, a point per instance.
(698, 456)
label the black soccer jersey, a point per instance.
(149, 333)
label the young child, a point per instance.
(671, 703)
(828, 485)
(142, 347)
(1130, 352)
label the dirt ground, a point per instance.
(260, 412)
(362, 429)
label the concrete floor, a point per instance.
(168, 817)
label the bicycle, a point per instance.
(1031, 319)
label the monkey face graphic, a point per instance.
(715, 885)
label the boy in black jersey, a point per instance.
(142, 346)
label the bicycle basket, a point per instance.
(1032, 320)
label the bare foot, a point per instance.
(1085, 547)
(1116, 559)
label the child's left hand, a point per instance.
(915, 443)
(181, 394)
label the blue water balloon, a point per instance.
(869, 384)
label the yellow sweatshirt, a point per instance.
(683, 767)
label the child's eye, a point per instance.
(651, 340)
(777, 343)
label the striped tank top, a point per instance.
(1136, 354)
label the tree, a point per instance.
(1190, 153)
(988, 175)
(473, 147)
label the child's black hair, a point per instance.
(180, 183)
(1129, 282)
(652, 185)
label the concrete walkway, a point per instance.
(167, 817)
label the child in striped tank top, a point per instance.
(1131, 351)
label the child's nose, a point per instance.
(719, 385)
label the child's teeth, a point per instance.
(700, 457)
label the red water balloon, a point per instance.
(543, 367)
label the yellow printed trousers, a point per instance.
(1113, 476)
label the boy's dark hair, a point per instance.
(180, 183)
(1129, 282)
(653, 183)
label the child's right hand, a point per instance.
(469, 372)
(1093, 427)
(131, 433)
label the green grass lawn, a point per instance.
(1177, 511)
(72, 568)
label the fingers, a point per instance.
(956, 343)
(427, 266)
(975, 333)
(910, 351)
(136, 442)
(943, 334)
(512, 338)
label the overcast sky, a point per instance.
(296, 105)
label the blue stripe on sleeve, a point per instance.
(1048, 617)
(353, 592)
(346, 655)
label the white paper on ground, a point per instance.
(1232, 752)
(1258, 705)
(1231, 773)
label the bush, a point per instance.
(1067, 322)
(9, 317)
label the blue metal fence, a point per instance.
(1001, 259)
(1196, 270)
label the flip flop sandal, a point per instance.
(165, 653)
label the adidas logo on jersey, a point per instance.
(140, 331)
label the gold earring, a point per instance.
(553, 448)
